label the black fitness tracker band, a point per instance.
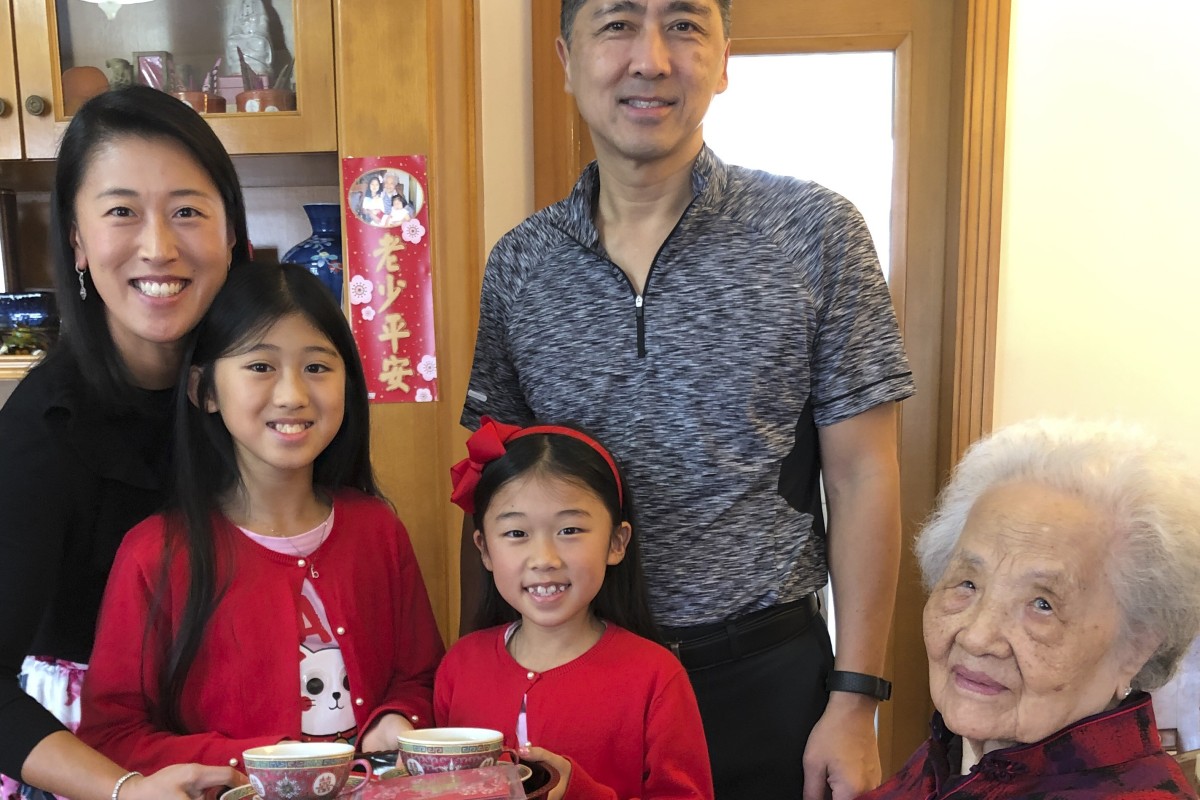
(859, 683)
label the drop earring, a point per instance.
(82, 285)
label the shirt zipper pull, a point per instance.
(638, 302)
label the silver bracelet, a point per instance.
(121, 782)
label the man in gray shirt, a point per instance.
(729, 335)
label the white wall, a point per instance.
(506, 84)
(1099, 305)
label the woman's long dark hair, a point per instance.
(622, 598)
(254, 298)
(136, 112)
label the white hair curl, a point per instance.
(1147, 492)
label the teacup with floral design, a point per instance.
(447, 749)
(301, 770)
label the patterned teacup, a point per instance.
(301, 770)
(447, 749)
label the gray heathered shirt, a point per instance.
(764, 315)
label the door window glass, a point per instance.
(825, 117)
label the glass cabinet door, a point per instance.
(261, 71)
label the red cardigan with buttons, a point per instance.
(244, 688)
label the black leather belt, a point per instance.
(702, 646)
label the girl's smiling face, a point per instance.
(283, 398)
(548, 543)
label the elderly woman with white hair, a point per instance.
(1063, 570)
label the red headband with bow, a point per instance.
(487, 444)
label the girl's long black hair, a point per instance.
(622, 599)
(254, 298)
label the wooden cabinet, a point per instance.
(52, 36)
(10, 120)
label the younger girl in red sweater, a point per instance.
(280, 597)
(567, 669)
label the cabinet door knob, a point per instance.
(35, 105)
(3, 107)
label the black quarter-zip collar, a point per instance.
(579, 221)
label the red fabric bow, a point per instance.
(487, 444)
(483, 447)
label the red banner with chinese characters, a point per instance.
(389, 283)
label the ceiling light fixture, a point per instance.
(111, 7)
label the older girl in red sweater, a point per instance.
(280, 599)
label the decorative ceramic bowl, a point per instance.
(300, 770)
(429, 750)
(353, 790)
(204, 102)
(28, 322)
(257, 100)
(80, 84)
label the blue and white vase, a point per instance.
(321, 253)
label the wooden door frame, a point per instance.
(973, 279)
(952, 305)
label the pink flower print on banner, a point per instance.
(423, 396)
(412, 231)
(361, 290)
(427, 366)
(368, 313)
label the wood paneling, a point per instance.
(981, 86)
(457, 152)
(13, 368)
(767, 45)
(558, 132)
(918, 231)
(406, 84)
(756, 19)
